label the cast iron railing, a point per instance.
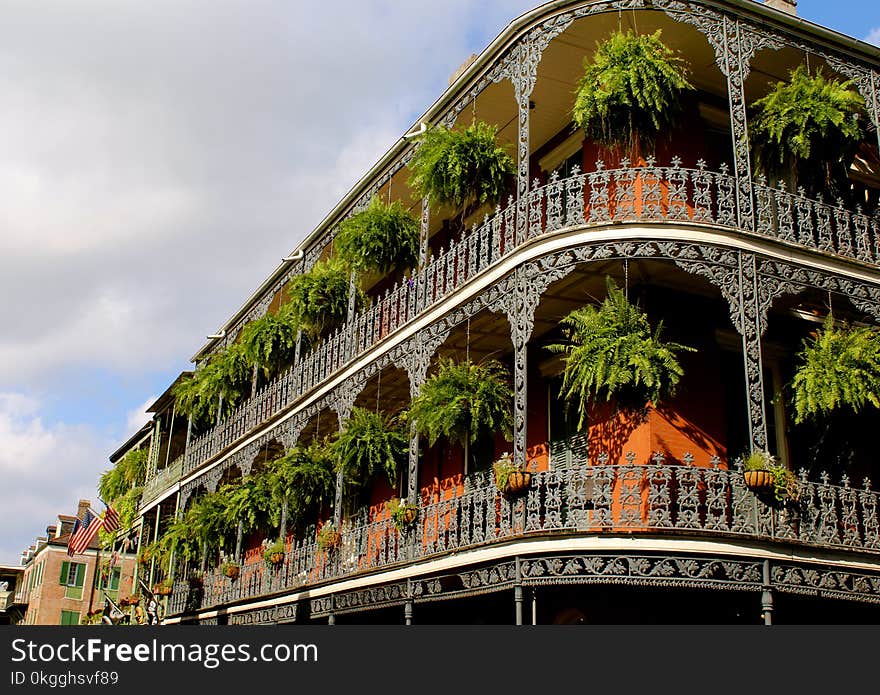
(655, 497)
(628, 193)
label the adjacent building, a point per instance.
(59, 589)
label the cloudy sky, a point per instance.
(156, 161)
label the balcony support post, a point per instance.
(751, 327)
(343, 408)
(424, 231)
(767, 594)
(239, 535)
(518, 593)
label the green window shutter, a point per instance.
(80, 575)
(65, 569)
(69, 618)
(114, 579)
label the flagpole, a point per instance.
(95, 575)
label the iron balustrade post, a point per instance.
(239, 535)
(518, 593)
(766, 594)
(534, 606)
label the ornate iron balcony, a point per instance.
(627, 194)
(597, 498)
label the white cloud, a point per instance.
(46, 469)
(874, 36)
(158, 159)
(138, 417)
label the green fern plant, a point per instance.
(811, 126)
(319, 298)
(611, 353)
(129, 473)
(839, 367)
(459, 168)
(270, 342)
(249, 502)
(379, 238)
(370, 443)
(226, 375)
(463, 400)
(630, 90)
(302, 480)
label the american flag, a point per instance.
(111, 519)
(84, 531)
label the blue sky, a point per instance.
(159, 159)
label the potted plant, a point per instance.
(756, 471)
(368, 444)
(274, 554)
(379, 238)
(611, 353)
(461, 168)
(131, 600)
(838, 368)
(301, 480)
(630, 91)
(164, 587)
(764, 473)
(231, 568)
(319, 298)
(270, 342)
(811, 127)
(511, 479)
(462, 400)
(196, 579)
(403, 512)
(226, 378)
(329, 537)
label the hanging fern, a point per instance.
(611, 353)
(368, 444)
(630, 90)
(379, 238)
(303, 478)
(128, 473)
(809, 125)
(460, 168)
(319, 298)
(461, 401)
(209, 519)
(839, 367)
(270, 342)
(227, 375)
(249, 502)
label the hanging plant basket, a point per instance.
(274, 554)
(329, 538)
(511, 479)
(758, 481)
(161, 589)
(232, 571)
(403, 513)
(611, 352)
(629, 92)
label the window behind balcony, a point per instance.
(568, 442)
